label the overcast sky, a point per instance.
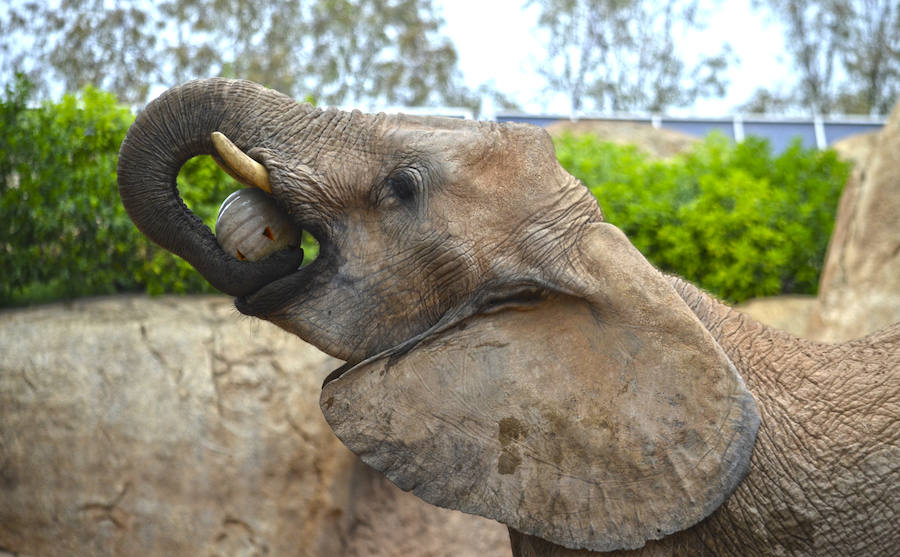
(497, 41)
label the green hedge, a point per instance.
(733, 218)
(63, 231)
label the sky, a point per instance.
(497, 41)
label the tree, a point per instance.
(873, 60)
(621, 54)
(814, 31)
(81, 42)
(337, 51)
(387, 52)
(765, 101)
(847, 54)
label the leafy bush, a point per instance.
(733, 218)
(63, 230)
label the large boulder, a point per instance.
(173, 426)
(789, 313)
(859, 291)
(656, 142)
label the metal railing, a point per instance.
(817, 131)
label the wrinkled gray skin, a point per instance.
(424, 221)
(824, 477)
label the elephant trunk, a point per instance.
(171, 130)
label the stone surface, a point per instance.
(174, 426)
(788, 313)
(857, 148)
(660, 143)
(859, 291)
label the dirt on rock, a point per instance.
(656, 142)
(859, 292)
(174, 426)
(787, 313)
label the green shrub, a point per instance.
(732, 218)
(63, 231)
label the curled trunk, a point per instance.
(171, 130)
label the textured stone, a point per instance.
(789, 313)
(656, 142)
(857, 148)
(173, 426)
(859, 291)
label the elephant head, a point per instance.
(508, 352)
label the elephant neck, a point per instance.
(772, 362)
(828, 418)
(823, 477)
(758, 351)
(780, 369)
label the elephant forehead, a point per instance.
(550, 422)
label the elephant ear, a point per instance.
(595, 422)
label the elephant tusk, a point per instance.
(239, 165)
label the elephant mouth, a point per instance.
(270, 299)
(269, 303)
(283, 299)
(253, 222)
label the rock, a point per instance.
(859, 291)
(173, 426)
(656, 142)
(788, 313)
(857, 148)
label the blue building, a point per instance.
(818, 132)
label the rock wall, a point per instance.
(656, 142)
(174, 426)
(789, 313)
(859, 291)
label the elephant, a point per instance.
(511, 354)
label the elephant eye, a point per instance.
(403, 184)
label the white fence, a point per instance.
(816, 132)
